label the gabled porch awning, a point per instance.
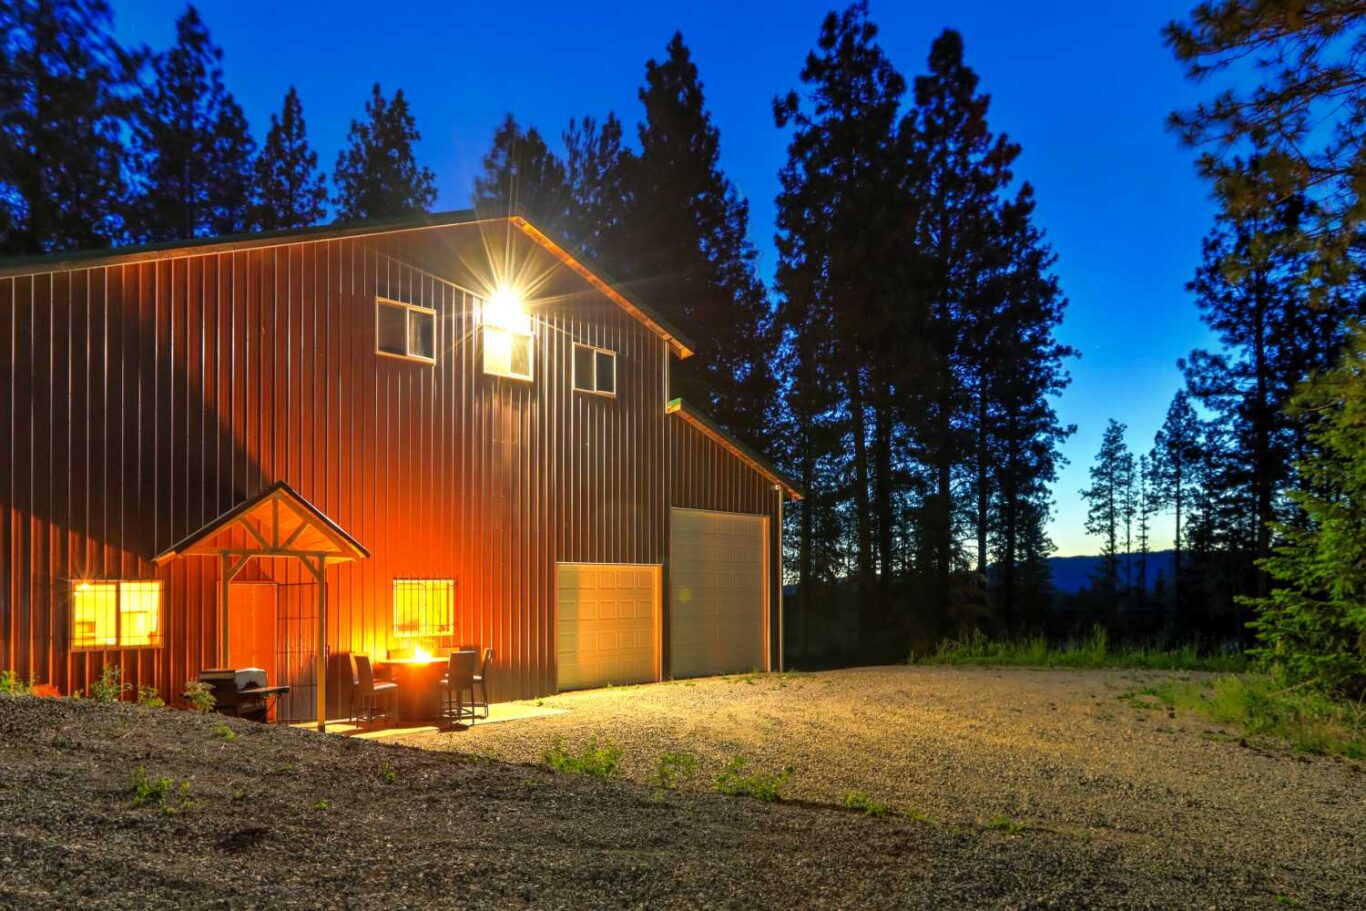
(276, 523)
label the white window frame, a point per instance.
(530, 337)
(408, 355)
(594, 390)
(119, 643)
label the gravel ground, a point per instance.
(1119, 813)
(1143, 798)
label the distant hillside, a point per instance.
(1072, 574)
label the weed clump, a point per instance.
(163, 793)
(13, 684)
(737, 780)
(110, 686)
(599, 760)
(674, 769)
(860, 802)
(199, 695)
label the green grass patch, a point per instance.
(1305, 720)
(599, 760)
(738, 779)
(1094, 651)
(225, 732)
(860, 802)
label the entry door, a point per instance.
(718, 583)
(251, 626)
(606, 624)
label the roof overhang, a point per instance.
(712, 430)
(277, 522)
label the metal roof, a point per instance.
(590, 272)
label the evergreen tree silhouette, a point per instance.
(289, 188)
(377, 174)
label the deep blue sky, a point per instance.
(1084, 87)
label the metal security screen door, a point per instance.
(297, 651)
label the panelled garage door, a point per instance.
(718, 581)
(606, 624)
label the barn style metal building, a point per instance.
(414, 435)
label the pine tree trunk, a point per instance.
(805, 557)
(863, 518)
(983, 466)
(882, 455)
(1261, 447)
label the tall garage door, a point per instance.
(718, 581)
(606, 624)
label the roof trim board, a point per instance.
(597, 278)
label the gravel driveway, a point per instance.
(1078, 758)
(1122, 808)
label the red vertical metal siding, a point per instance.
(141, 400)
(704, 475)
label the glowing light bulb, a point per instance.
(505, 310)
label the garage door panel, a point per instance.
(607, 628)
(718, 592)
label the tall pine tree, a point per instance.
(960, 170)
(289, 188)
(521, 173)
(193, 150)
(64, 93)
(1105, 509)
(377, 174)
(1251, 293)
(685, 248)
(838, 214)
(1178, 449)
(597, 167)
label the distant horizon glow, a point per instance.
(1086, 92)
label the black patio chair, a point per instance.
(458, 681)
(371, 693)
(481, 680)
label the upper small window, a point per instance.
(507, 352)
(405, 330)
(116, 614)
(595, 370)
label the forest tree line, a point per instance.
(1262, 452)
(901, 366)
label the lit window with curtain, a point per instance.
(424, 608)
(115, 614)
